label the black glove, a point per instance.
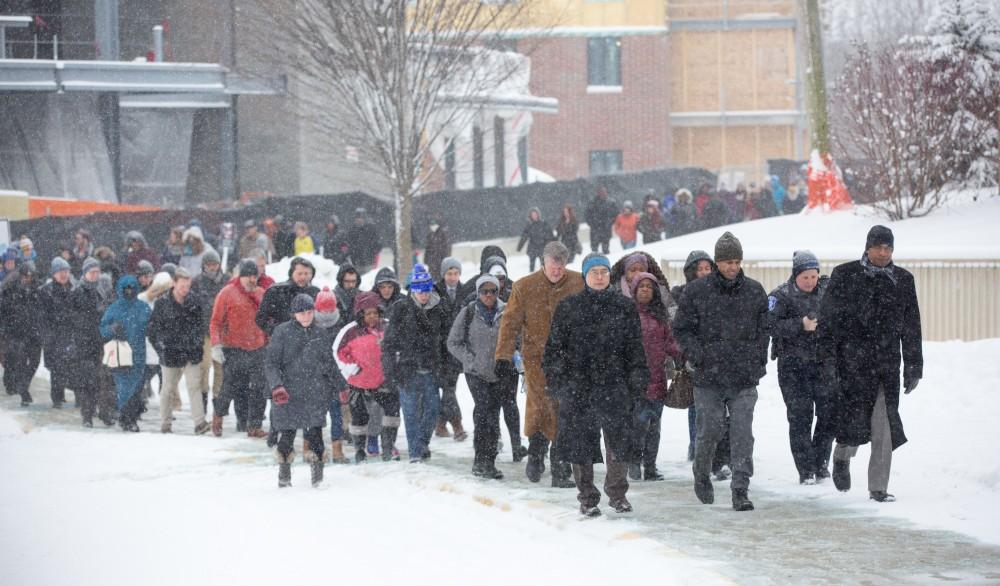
(504, 369)
(910, 383)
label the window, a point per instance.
(449, 164)
(604, 61)
(522, 157)
(477, 157)
(605, 162)
(499, 169)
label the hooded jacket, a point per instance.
(133, 257)
(133, 315)
(387, 275)
(276, 306)
(358, 348)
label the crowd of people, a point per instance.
(598, 350)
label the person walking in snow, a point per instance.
(22, 324)
(626, 226)
(595, 365)
(869, 322)
(661, 351)
(274, 309)
(567, 231)
(600, 215)
(126, 320)
(327, 316)
(298, 358)
(527, 317)
(721, 325)
(807, 384)
(358, 352)
(239, 345)
(176, 330)
(536, 234)
(205, 288)
(413, 353)
(651, 224)
(472, 340)
(437, 247)
(637, 262)
(448, 289)
(88, 303)
(57, 336)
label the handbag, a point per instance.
(117, 355)
(680, 391)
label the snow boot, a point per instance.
(590, 512)
(315, 468)
(703, 489)
(622, 506)
(881, 496)
(460, 434)
(842, 475)
(389, 451)
(217, 425)
(256, 433)
(359, 449)
(486, 469)
(562, 475)
(807, 478)
(372, 445)
(740, 500)
(634, 472)
(536, 457)
(518, 451)
(442, 429)
(337, 452)
(652, 474)
(284, 468)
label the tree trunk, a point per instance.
(815, 78)
(404, 229)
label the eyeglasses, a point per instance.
(599, 271)
(488, 292)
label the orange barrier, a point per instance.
(40, 207)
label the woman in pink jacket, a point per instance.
(660, 347)
(358, 351)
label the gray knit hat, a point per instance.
(728, 247)
(90, 263)
(144, 268)
(59, 264)
(210, 256)
(450, 263)
(803, 260)
(487, 279)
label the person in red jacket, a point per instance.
(239, 345)
(626, 226)
(660, 346)
(358, 351)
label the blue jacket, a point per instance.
(133, 314)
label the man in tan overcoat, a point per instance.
(528, 316)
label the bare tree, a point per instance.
(393, 75)
(903, 121)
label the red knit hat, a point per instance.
(326, 301)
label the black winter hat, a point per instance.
(878, 236)
(302, 302)
(248, 268)
(728, 247)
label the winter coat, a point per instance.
(722, 327)
(299, 358)
(132, 259)
(659, 344)
(387, 275)
(716, 214)
(787, 305)
(793, 205)
(569, 234)
(21, 312)
(651, 227)
(869, 322)
(58, 321)
(233, 322)
(626, 225)
(363, 244)
(358, 352)
(304, 245)
(206, 288)
(475, 345)
(451, 366)
(436, 249)
(536, 234)
(415, 340)
(600, 215)
(88, 344)
(133, 315)
(595, 365)
(176, 330)
(528, 316)
(335, 247)
(284, 244)
(276, 306)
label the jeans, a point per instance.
(336, 419)
(243, 375)
(420, 402)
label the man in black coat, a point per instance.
(449, 289)
(721, 325)
(57, 334)
(600, 215)
(870, 322)
(205, 288)
(363, 243)
(348, 286)
(176, 332)
(21, 325)
(89, 304)
(275, 309)
(413, 353)
(807, 383)
(595, 365)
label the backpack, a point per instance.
(470, 313)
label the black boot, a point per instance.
(651, 473)
(881, 496)
(562, 475)
(740, 500)
(316, 468)
(359, 449)
(389, 451)
(703, 489)
(537, 446)
(518, 451)
(634, 472)
(842, 475)
(284, 475)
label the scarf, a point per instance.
(874, 271)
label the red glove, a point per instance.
(345, 397)
(279, 395)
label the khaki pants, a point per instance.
(880, 462)
(171, 378)
(208, 364)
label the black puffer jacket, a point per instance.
(595, 365)
(300, 359)
(275, 309)
(415, 339)
(21, 309)
(176, 330)
(787, 305)
(721, 326)
(57, 319)
(88, 308)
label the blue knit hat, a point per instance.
(803, 260)
(59, 264)
(420, 279)
(595, 259)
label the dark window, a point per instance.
(499, 156)
(449, 164)
(477, 157)
(605, 162)
(604, 61)
(522, 157)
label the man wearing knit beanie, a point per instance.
(869, 323)
(60, 319)
(449, 288)
(721, 324)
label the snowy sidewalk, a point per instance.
(106, 507)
